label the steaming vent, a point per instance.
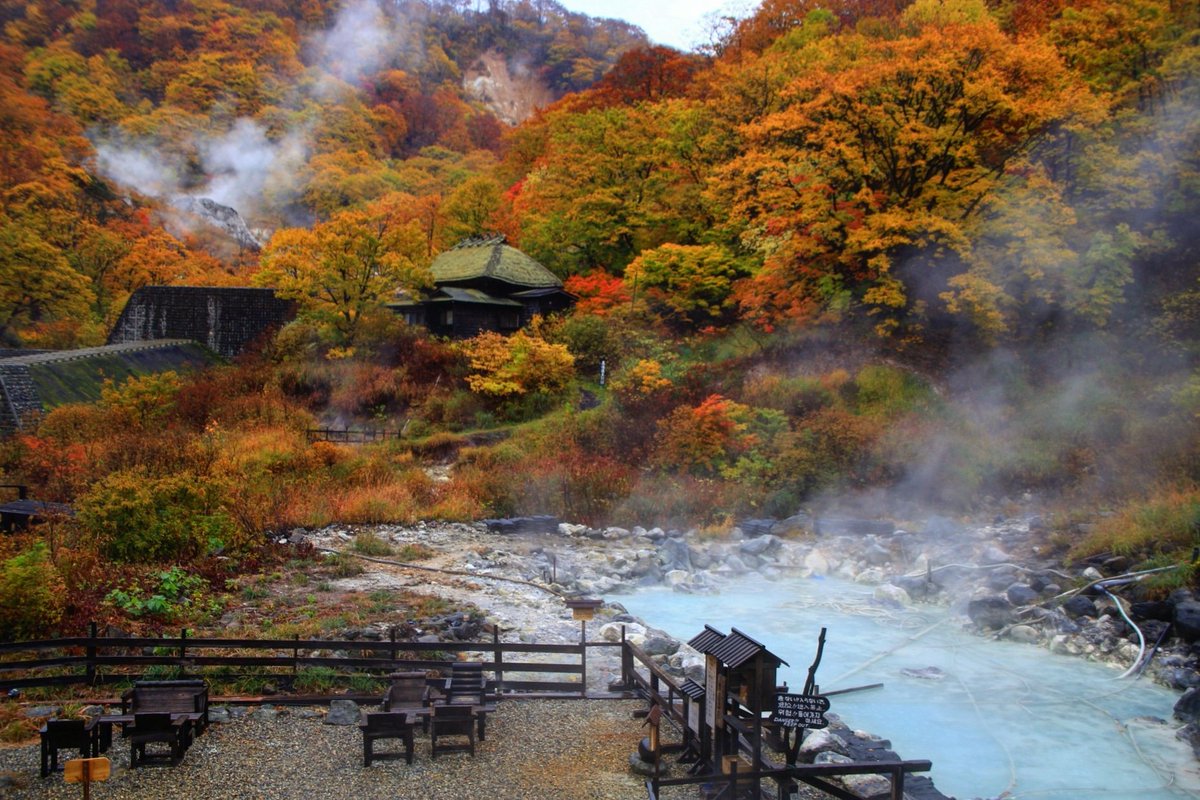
(219, 216)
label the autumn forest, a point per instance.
(942, 252)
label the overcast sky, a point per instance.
(678, 23)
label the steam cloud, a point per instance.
(244, 167)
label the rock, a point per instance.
(822, 741)
(752, 528)
(342, 712)
(219, 714)
(1187, 620)
(271, 712)
(1159, 610)
(1024, 633)
(1020, 594)
(639, 767)
(1190, 734)
(868, 786)
(917, 586)
(760, 545)
(892, 594)
(869, 576)
(990, 612)
(42, 711)
(675, 577)
(816, 563)
(1187, 708)
(674, 554)
(1080, 606)
(877, 555)
(660, 644)
(1092, 574)
(994, 555)
(923, 673)
(1115, 565)
(794, 525)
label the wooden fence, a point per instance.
(93, 660)
(351, 435)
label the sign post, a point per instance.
(801, 710)
(86, 770)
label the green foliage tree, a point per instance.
(33, 596)
(134, 516)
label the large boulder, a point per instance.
(1021, 594)
(1187, 708)
(674, 554)
(1187, 620)
(991, 612)
(1080, 606)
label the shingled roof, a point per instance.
(490, 257)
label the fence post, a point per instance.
(499, 659)
(183, 650)
(295, 658)
(583, 659)
(392, 638)
(626, 661)
(91, 654)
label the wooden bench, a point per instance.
(161, 727)
(386, 725)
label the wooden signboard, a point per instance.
(801, 710)
(86, 770)
(83, 770)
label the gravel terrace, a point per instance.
(545, 748)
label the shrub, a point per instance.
(885, 391)
(517, 365)
(368, 544)
(32, 594)
(1165, 524)
(136, 517)
(703, 438)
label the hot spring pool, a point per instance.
(1005, 719)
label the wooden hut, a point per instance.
(483, 284)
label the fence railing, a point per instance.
(93, 660)
(351, 435)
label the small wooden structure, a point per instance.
(740, 684)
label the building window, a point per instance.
(448, 317)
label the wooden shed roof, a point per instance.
(491, 258)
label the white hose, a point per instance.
(1141, 638)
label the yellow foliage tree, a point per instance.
(507, 366)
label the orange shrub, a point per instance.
(703, 438)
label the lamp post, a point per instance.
(583, 609)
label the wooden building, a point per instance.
(483, 284)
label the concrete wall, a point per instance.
(226, 320)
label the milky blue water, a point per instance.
(1005, 720)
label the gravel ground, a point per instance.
(535, 748)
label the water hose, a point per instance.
(463, 573)
(1141, 639)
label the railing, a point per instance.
(662, 689)
(351, 435)
(96, 660)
